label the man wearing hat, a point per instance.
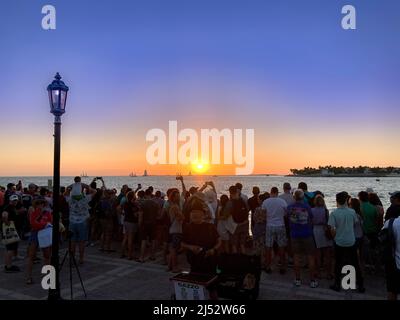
(394, 210)
(10, 215)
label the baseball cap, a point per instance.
(14, 197)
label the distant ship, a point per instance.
(145, 173)
(84, 175)
(190, 173)
(132, 174)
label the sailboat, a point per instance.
(84, 174)
(132, 174)
(145, 173)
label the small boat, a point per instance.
(132, 175)
(378, 180)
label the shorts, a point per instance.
(303, 246)
(321, 241)
(130, 227)
(275, 234)
(225, 228)
(79, 231)
(33, 238)
(175, 240)
(147, 231)
(239, 237)
(392, 278)
(12, 246)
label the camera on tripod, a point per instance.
(72, 263)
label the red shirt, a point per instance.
(39, 219)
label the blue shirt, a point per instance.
(300, 220)
(344, 219)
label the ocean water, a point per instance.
(328, 185)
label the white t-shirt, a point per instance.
(276, 211)
(396, 234)
(79, 209)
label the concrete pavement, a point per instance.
(106, 276)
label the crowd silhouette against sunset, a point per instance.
(286, 227)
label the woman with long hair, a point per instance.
(131, 224)
(323, 243)
(376, 201)
(222, 217)
(355, 204)
(175, 230)
(39, 219)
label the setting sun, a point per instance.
(199, 166)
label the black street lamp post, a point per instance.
(58, 97)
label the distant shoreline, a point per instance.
(226, 175)
(343, 176)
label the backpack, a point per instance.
(387, 243)
(239, 211)
(309, 197)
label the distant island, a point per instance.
(360, 171)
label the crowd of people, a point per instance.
(293, 228)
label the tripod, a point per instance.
(72, 262)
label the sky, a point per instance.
(314, 94)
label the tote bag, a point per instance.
(10, 234)
(45, 237)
